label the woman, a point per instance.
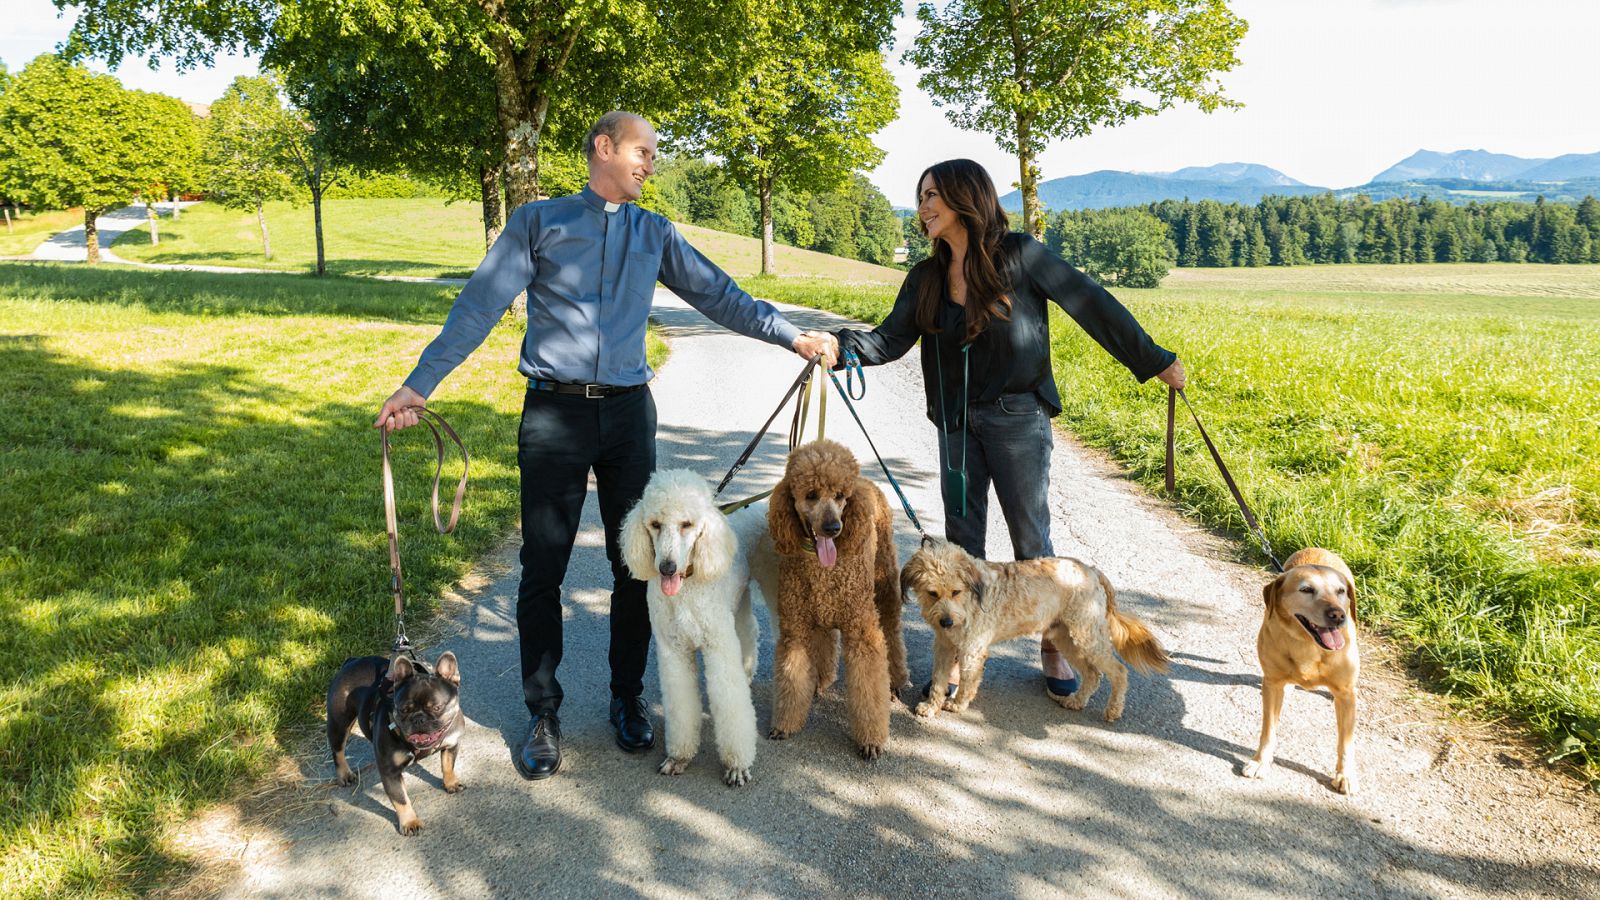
(978, 304)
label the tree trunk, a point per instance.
(316, 215)
(261, 217)
(91, 237)
(522, 83)
(768, 253)
(1028, 184)
(150, 210)
(494, 213)
(174, 206)
(7, 211)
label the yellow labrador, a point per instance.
(1308, 638)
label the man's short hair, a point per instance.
(611, 125)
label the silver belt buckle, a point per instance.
(593, 391)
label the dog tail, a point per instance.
(1131, 637)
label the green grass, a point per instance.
(30, 229)
(191, 537)
(426, 238)
(1437, 434)
(411, 237)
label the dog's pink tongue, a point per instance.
(670, 584)
(1334, 638)
(827, 553)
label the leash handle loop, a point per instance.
(853, 370)
(435, 423)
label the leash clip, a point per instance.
(852, 370)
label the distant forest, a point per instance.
(1289, 231)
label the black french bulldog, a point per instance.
(406, 711)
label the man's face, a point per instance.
(618, 170)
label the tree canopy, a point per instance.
(1030, 71)
(70, 137)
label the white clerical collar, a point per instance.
(612, 207)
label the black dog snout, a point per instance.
(1334, 615)
(832, 529)
(668, 567)
(945, 622)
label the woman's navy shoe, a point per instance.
(1060, 687)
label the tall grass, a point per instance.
(1442, 442)
(191, 537)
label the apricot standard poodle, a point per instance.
(837, 571)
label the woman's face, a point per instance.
(939, 219)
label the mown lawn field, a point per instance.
(417, 237)
(1436, 425)
(191, 537)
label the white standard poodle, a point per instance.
(696, 561)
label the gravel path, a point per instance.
(1016, 797)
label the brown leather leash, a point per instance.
(1250, 519)
(435, 422)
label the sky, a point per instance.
(1334, 92)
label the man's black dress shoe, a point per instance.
(631, 718)
(540, 753)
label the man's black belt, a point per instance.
(592, 391)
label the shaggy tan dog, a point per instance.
(1308, 638)
(972, 604)
(837, 568)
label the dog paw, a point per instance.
(1074, 700)
(736, 776)
(411, 827)
(345, 776)
(1255, 768)
(454, 787)
(956, 706)
(672, 766)
(1113, 713)
(1344, 783)
(927, 709)
(777, 734)
(870, 752)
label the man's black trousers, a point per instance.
(561, 439)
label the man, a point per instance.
(589, 264)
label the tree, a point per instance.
(548, 62)
(1028, 71)
(69, 137)
(381, 103)
(243, 152)
(1127, 248)
(810, 90)
(302, 151)
(174, 130)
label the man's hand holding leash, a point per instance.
(397, 412)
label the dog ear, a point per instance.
(715, 548)
(447, 668)
(973, 577)
(1269, 594)
(783, 521)
(860, 517)
(638, 546)
(1350, 589)
(401, 669)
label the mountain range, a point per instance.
(1457, 177)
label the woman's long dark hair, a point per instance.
(967, 189)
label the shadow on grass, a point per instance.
(177, 579)
(209, 293)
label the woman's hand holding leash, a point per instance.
(1173, 376)
(397, 412)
